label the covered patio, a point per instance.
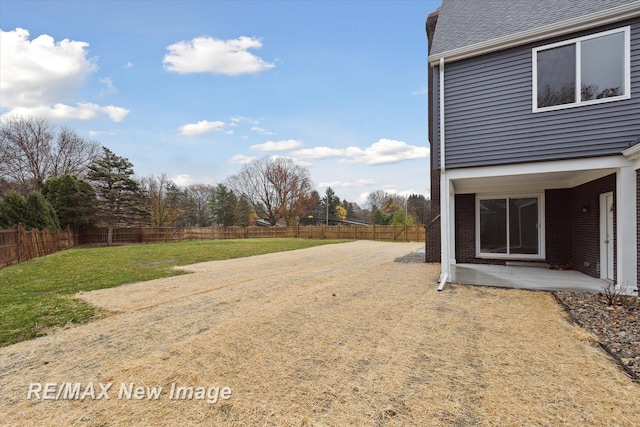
(525, 277)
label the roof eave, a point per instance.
(604, 17)
(633, 152)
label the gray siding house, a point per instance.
(534, 127)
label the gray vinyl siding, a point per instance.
(489, 118)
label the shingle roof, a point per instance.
(464, 23)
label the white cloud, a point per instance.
(242, 159)
(38, 76)
(59, 112)
(211, 55)
(382, 152)
(84, 111)
(202, 127)
(182, 180)
(319, 152)
(109, 87)
(362, 198)
(99, 132)
(285, 145)
(348, 184)
(117, 114)
(42, 70)
(422, 91)
(128, 65)
(262, 131)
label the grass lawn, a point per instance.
(39, 294)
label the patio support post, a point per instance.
(444, 193)
(626, 229)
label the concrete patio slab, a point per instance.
(521, 277)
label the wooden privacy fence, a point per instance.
(92, 236)
(19, 245)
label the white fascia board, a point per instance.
(534, 176)
(632, 153)
(604, 17)
(591, 163)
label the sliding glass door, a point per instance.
(509, 227)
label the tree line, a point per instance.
(54, 178)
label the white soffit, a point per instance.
(527, 182)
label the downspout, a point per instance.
(444, 201)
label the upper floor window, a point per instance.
(582, 71)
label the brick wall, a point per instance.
(558, 230)
(585, 245)
(465, 227)
(432, 242)
(432, 234)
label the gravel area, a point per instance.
(617, 326)
(412, 257)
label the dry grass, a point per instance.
(333, 335)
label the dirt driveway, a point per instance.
(333, 335)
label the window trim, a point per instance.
(541, 255)
(577, 42)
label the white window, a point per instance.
(583, 71)
(510, 226)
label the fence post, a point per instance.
(18, 239)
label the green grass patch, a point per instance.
(37, 295)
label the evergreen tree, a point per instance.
(121, 200)
(39, 213)
(13, 208)
(73, 200)
(333, 200)
(223, 206)
(350, 208)
(381, 218)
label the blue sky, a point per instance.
(195, 88)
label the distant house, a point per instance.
(534, 126)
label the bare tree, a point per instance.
(276, 188)
(201, 196)
(375, 200)
(30, 152)
(164, 199)
(25, 149)
(72, 154)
